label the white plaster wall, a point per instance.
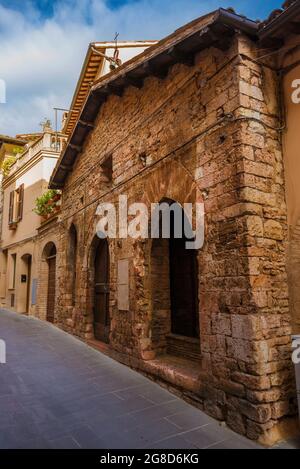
(35, 182)
(126, 53)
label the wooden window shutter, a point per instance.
(21, 202)
(11, 207)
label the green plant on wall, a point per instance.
(18, 150)
(7, 164)
(46, 204)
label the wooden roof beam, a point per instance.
(86, 124)
(66, 167)
(181, 57)
(158, 72)
(75, 147)
(112, 88)
(132, 80)
(294, 27)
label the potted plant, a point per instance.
(7, 164)
(47, 204)
(56, 197)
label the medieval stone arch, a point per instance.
(171, 184)
(98, 290)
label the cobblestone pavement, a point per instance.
(56, 392)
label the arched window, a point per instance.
(72, 261)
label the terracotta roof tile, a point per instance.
(277, 12)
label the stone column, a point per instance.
(262, 383)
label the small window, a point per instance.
(107, 167)
(16, 203)
(20, 197)
(11, 207)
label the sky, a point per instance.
(43, 44)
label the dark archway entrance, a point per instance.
(174, 284)
(50, 258)
(183, 289)
(101, 291)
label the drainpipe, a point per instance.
(296, 361)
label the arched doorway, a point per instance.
(174, 287)
(49, 256)
(183, 288)
(101, 315)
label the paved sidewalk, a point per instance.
(56, 392)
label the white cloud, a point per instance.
(40, 60)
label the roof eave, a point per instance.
(277, 27)
(11, 140)
(238, 22)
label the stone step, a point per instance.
(185, 347)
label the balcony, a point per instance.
(49, 142)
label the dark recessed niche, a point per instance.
(107, 166)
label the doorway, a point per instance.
(25, 287)
(174, 289)
(183, 289)
(101, 317)
(50, 258)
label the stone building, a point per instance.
(101, 58)
(28, 241)
(197, 118)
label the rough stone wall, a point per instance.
(194, 152)
(250, 323)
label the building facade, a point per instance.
(28, 256)
(26, 180)
(195, 119)
(9, 148)
(206, 117)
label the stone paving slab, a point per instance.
(56, 392)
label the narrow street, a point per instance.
(56, 392)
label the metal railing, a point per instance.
(48, 143)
